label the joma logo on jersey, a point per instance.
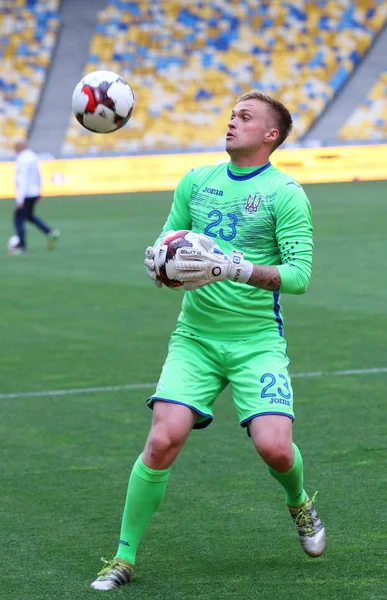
(208, 190)
(253, 201)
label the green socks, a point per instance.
(293, 480)
(146, 490)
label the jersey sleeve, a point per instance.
(294, 232)
(179, 216)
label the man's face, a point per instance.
(250, 125)
(20, 146)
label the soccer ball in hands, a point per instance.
(167, 248)
(103, 102)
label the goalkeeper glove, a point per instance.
(206, 263)
(149, 263)
(155, 259)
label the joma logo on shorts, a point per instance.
(208, 190)
(279, 401)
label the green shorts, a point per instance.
(198, 369)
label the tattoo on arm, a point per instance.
(265, 277)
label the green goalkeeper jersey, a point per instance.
(260, 211)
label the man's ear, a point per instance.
(272, 135)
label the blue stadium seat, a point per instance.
(187, 64)
(29, 34)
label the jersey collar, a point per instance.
(248, 175)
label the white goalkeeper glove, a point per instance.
(149, 263)
(206, 263)
(155, 259)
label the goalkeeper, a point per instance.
(253, 241)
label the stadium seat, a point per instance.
(28, 35)
(369, 120)
(188, 61)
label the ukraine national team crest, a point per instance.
(252, 203)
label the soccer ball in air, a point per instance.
(167, 254)
(103, 102)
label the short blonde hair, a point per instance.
(282, 116)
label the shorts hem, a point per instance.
(198, 425)
(245, 422)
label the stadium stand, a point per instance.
(188, 60)
(369, 120)
(28, 35)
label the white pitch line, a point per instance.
(338, 373)
(139, 386)
(93, 390)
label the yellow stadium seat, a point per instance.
(19, 27)
(217, 69)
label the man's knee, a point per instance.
(277, 454)
(272, 438)
(161, 441)
(162, 446)
(171, 426)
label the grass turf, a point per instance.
(86, 316)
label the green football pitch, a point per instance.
(83, 337)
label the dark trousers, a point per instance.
(26, 213)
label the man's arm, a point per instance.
(179, 218)
(209, 264)
(265, 277)
(206, 263)
(294, 235)
(294, 232)
(21, 182)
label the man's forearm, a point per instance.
(265, 277)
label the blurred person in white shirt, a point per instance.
(28, 185)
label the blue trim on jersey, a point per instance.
(278, 318)
(248, 175)
(293, 183)
(201, 425)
